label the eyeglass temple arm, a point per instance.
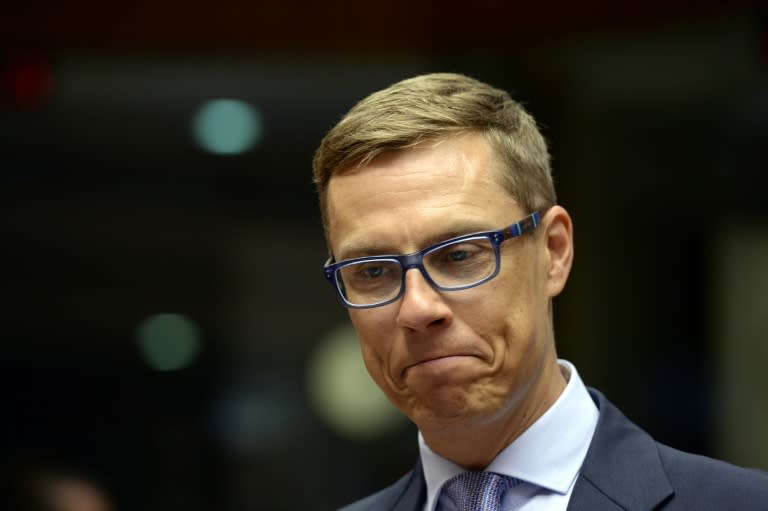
(527, 224)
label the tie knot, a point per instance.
(478, 491)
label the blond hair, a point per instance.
(433, 107)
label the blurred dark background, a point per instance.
(165, 326)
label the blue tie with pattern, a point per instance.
(478, 491)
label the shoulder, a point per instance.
(710, 480)
(625, 465)
(371, 502)
(405, 494)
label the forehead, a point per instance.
(403, 200)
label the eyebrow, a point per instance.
(363, 249)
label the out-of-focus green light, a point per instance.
(342, 392)
(227, 126)
(168, 341)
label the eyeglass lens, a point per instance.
(455, 265)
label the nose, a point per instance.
(421, 307)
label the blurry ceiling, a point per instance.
(322, 26)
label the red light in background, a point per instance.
(26, 80)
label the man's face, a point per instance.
(445, 357)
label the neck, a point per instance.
(474, 445)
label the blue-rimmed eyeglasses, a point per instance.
(458, 263)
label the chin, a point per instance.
(444, 406)
(464, 408)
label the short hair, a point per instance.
(433, 107)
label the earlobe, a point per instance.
(559, 248)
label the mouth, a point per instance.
(439, 362)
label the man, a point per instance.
(447, 246)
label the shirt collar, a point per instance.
(548, 454)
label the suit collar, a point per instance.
(415, 492)
(622, 469)
(407, 494)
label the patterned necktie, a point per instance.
(478, 491)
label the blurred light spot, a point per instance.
(168, 341)
(227, 126)
(255, 415)
(342, 392)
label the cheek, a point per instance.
(373, 342)
(505, 320)
(506, 305)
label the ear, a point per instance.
(558, 246)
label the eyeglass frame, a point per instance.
(416, 260)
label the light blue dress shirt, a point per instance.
(546, 457)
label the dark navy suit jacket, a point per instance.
(625, 469)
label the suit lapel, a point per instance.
(622, 469)
(414, 494)
(409, 494)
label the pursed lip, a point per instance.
(435, 357)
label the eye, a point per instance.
(371, 271)
(458, 255)
(461, 262)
